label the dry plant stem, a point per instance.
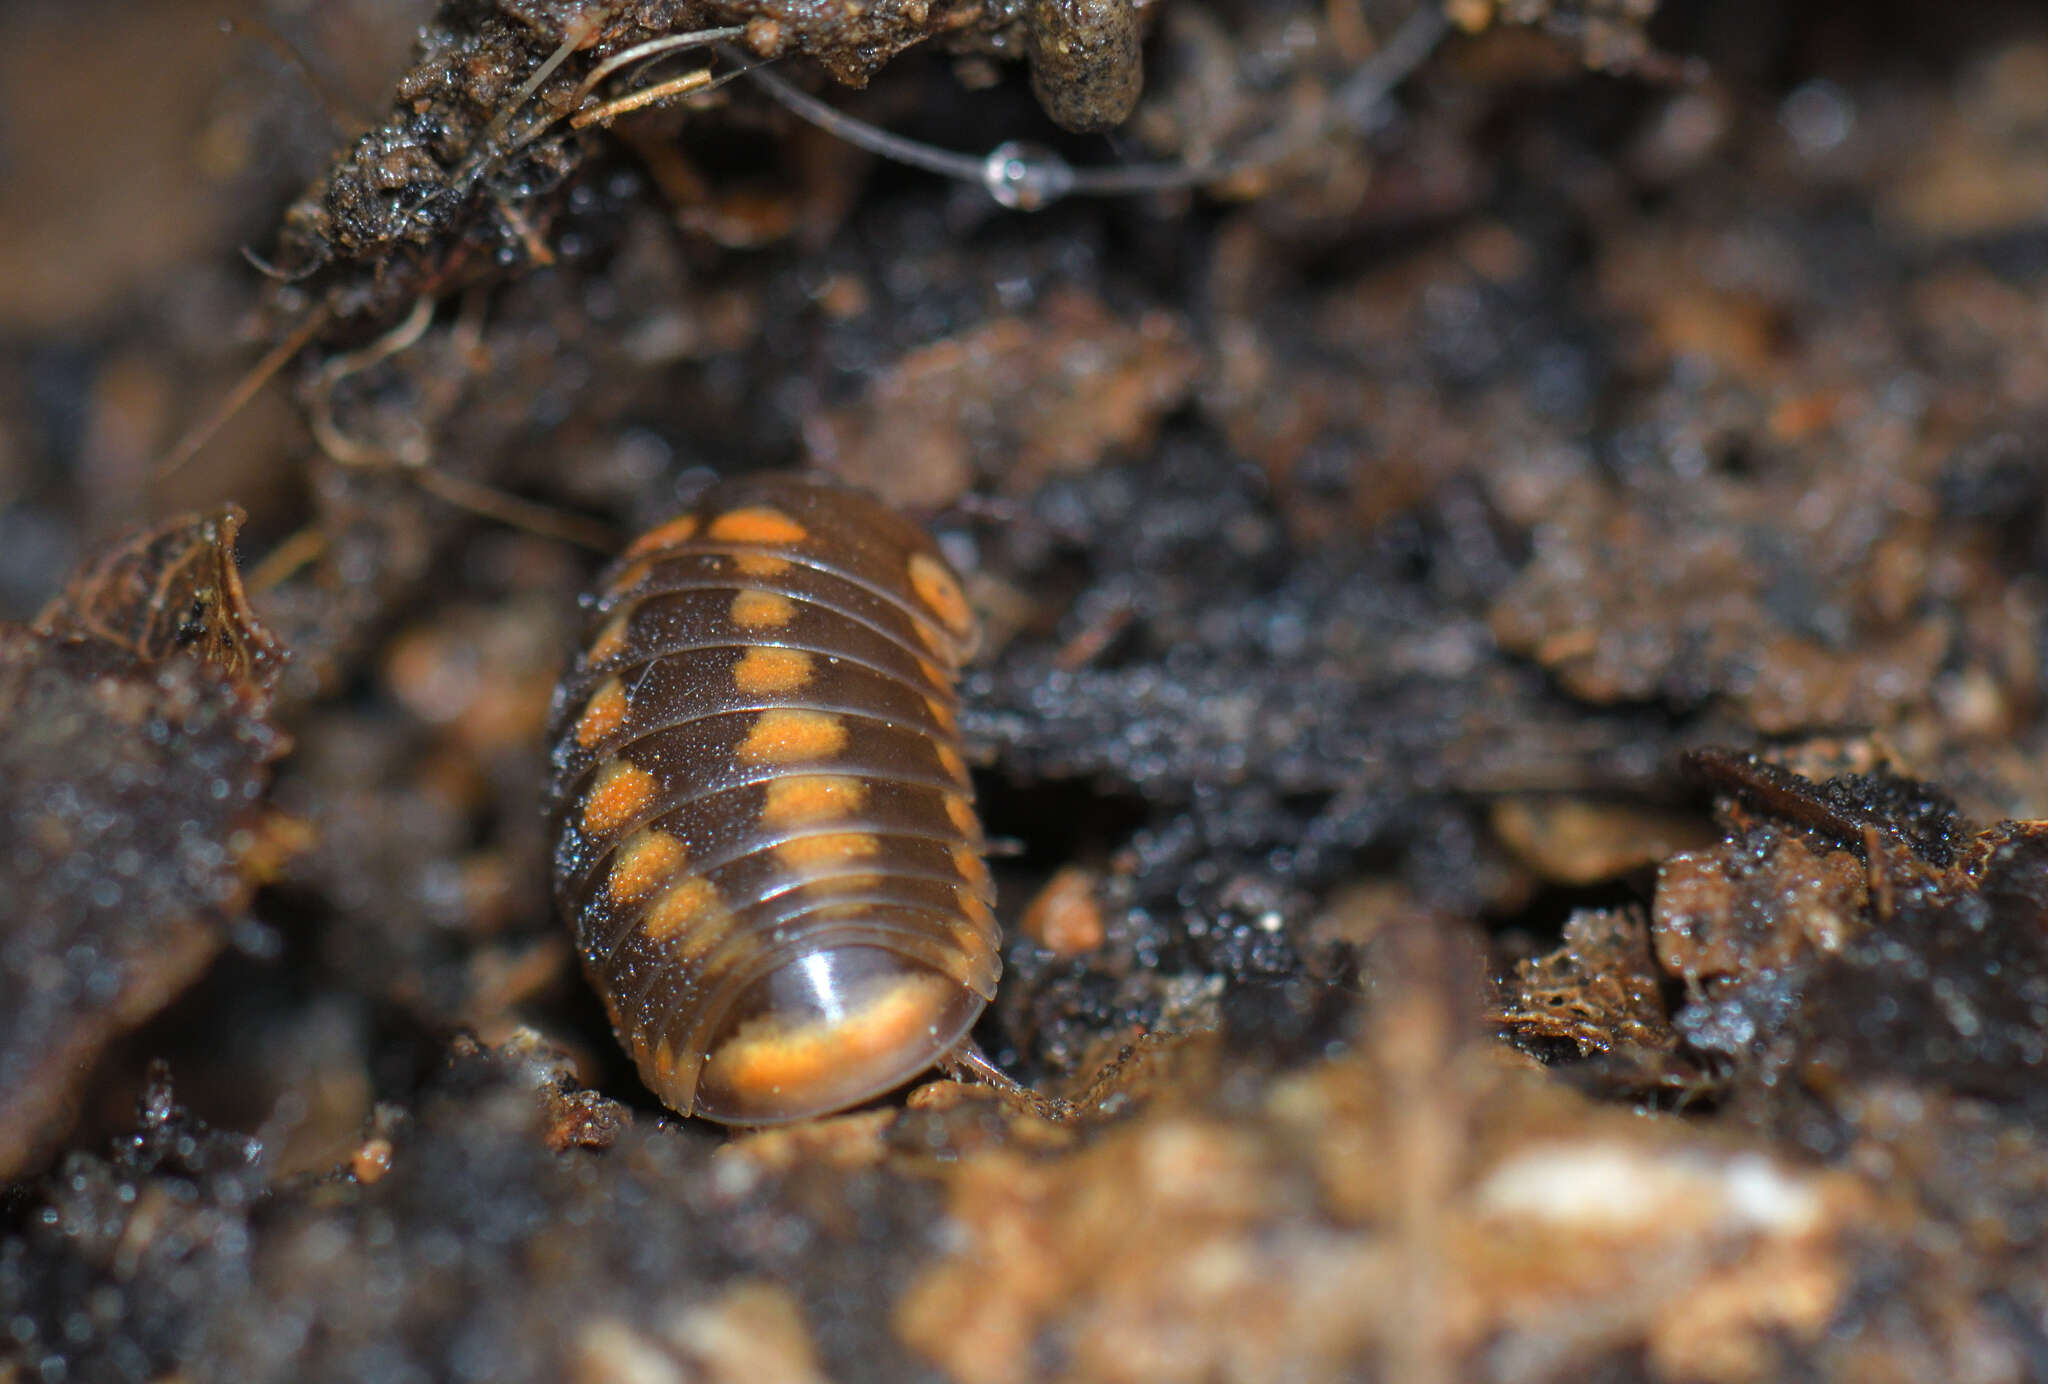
(238, 398)
(575, 37)
(320, 409)
(1415, 1042)
(488, 502)
(647, 96)
(653, 48)
(287, 559)
(482, 500)
(1878, 874)
(400, 338)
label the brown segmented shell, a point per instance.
(767, 844)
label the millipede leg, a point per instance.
(969, 1063)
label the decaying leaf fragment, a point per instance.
(134, 752)
(172, 589)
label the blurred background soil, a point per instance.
(1514, 674)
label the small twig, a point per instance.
(574, 36)
(646, 96)
(279, 565)
(402, 337)
(488, 502)
(653, 48)
(271, 271)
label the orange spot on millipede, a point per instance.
(767, 1056)
(644, 864)
(788, 735)
(768, 669)
(762, 610)
(974, 906)
(805, 798)
(940, 592)
(630, 576)
(807, 851)
(675, 532)
(757, 524)
(622, 792)
(610, 641)
(689, 908)
(760, 564)
(960, 813)
(604, 713)
(971, 868)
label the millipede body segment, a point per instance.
(767, 843)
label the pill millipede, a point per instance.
(766, 841)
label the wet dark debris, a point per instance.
(480, 1253)
(132, 776)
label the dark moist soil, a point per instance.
(1512, 689)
